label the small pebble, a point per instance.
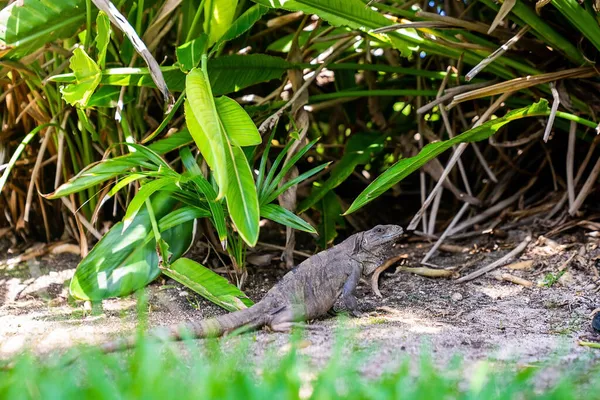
(183, 293)
(457, 296)
(591, 286)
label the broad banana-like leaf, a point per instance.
(205, 126)
(217, 126)
(242, 199)
(219, 16)
(28, 26)
(237, 123)
(207, 284)
(124, 261)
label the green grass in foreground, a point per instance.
(155, 371)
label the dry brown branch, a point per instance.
(428, 272)
(513, 279)
(498, 263)
(524, 83)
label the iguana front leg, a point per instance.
(348, 296)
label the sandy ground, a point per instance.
(478, 319)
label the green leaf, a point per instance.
(122, 262)
(87, 76)
(237, 123)
(406, 166)
(28, 26)
(272, 187)
(353, 14)
(235, 72)
(295, 181)
(580, 19)
(110, 168)
(190, 53)
(331, 211)
(108, 96)
(284, 43)
(285, 217)
(359, 150)
(227, 74)
(103, 37)
(204, 187)
(220, 15)
(242, 199)
(203, 122)
(147, 190)
(207, 284)
(244, 22)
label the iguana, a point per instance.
(308, 291)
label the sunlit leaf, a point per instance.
(103, 37)
(237, 123)
(208, 284)
(190, 53)
(242, 199)
(87, 78)
(122, 262)
(29, 24)
(244, 22)
(203, 122)
(220, 15)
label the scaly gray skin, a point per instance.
(307, 292)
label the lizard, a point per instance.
(306, 292)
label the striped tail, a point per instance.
(249, 319)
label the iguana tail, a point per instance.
(248, 319)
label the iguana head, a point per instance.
(374, 246)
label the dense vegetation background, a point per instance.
(306, 113)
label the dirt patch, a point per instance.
(478, 319)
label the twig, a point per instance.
(81, 219)
(493, 210)
(501, 50)
(498, 263)
(336, 50)
(586, 189)
(503, 12)
(450, 93)
(455, 156)
(428, 272)
(441, 239)
(580, 171)
(570, 163)
(513, 279)
(553, 111)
